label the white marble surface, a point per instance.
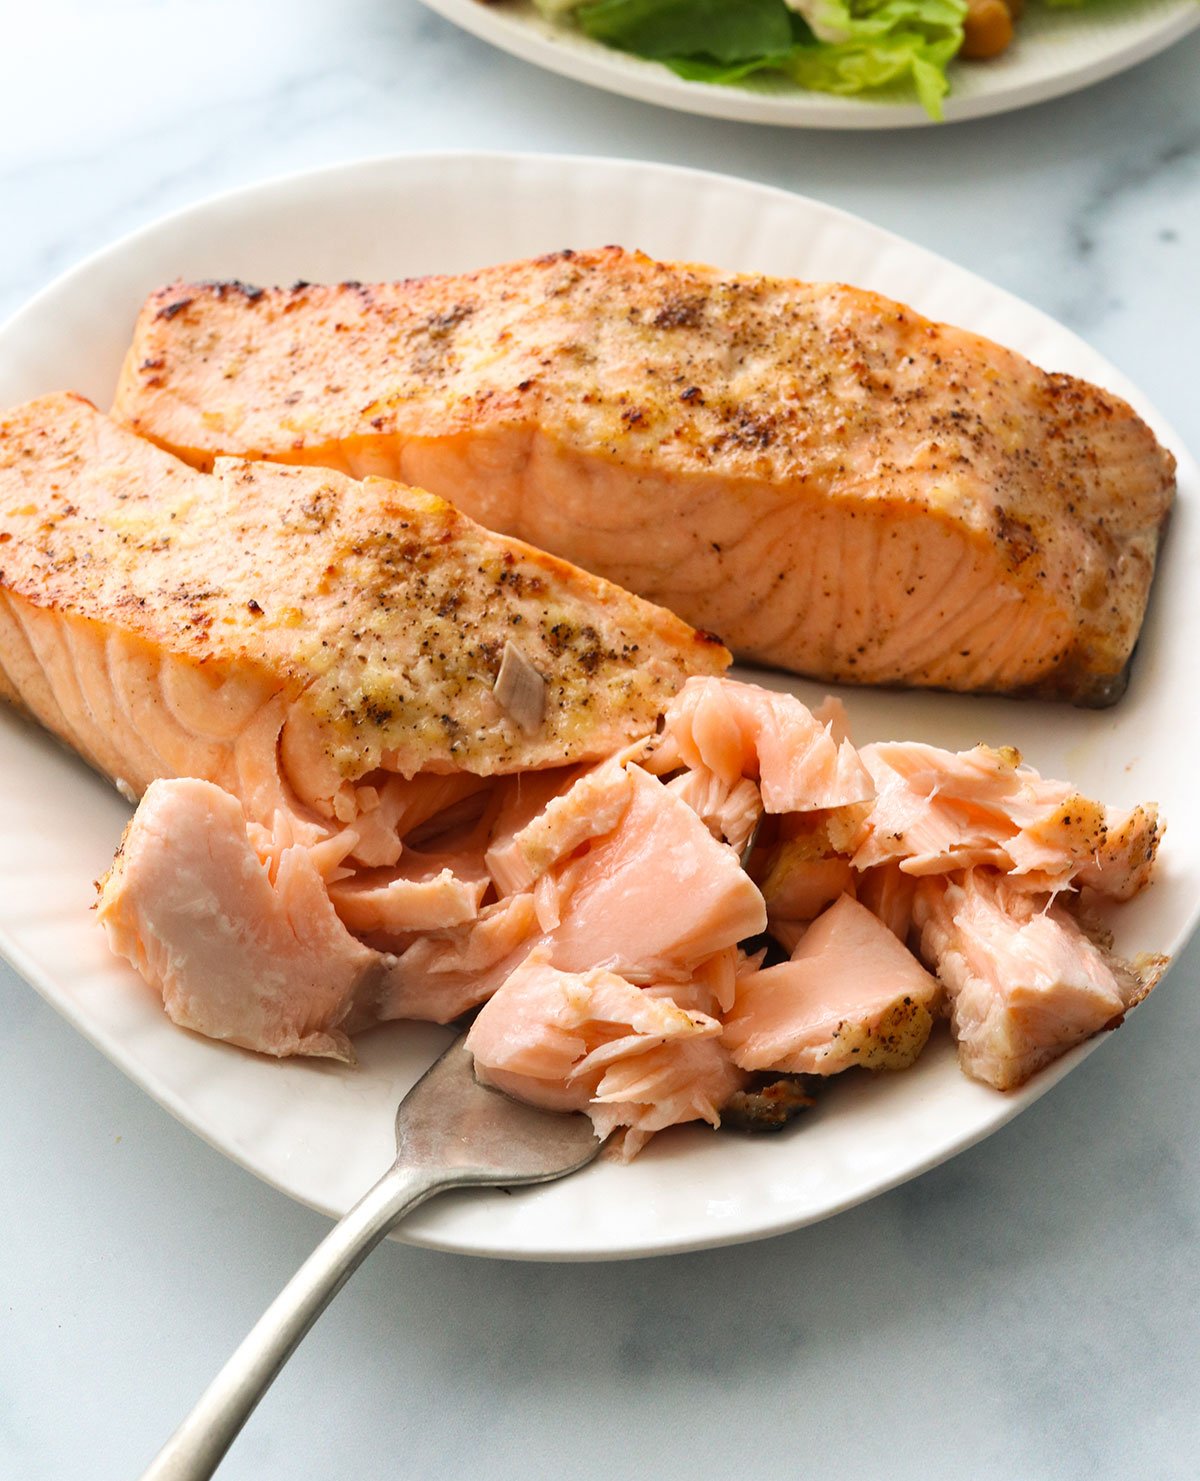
(1028, 1311)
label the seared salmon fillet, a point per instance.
(307, 642)
(830, 481)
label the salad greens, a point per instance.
(835, 46)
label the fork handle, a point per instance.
(196, 1448)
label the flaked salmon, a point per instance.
(615, 913)
(850, 994)
(1025, 982)
(938, 810)
(804, 874)
(830, 481)
(740, 731)
(241, 949)
(220, 915)
(607, 917)
(593, 1041)
(315, 646)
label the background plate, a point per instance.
(1056, 51)
(322, 1132)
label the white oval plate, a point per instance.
(1057, 51)
(322, 1132)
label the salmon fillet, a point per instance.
(832, 482)
(306, 642)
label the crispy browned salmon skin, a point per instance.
(289, 633)
(833, 483)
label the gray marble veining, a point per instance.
(1028, 1311)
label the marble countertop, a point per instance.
(1029, 1310)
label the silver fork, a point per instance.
(451, 1132)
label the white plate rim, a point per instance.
(426, 1232)
(599, 66)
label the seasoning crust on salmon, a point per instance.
(832, 482)
(156, 618)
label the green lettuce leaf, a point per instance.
(724, 31)
(880, 43)
(885, 44)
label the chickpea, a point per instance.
(987, 28)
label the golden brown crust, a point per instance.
(380, 612)
(781, 389)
